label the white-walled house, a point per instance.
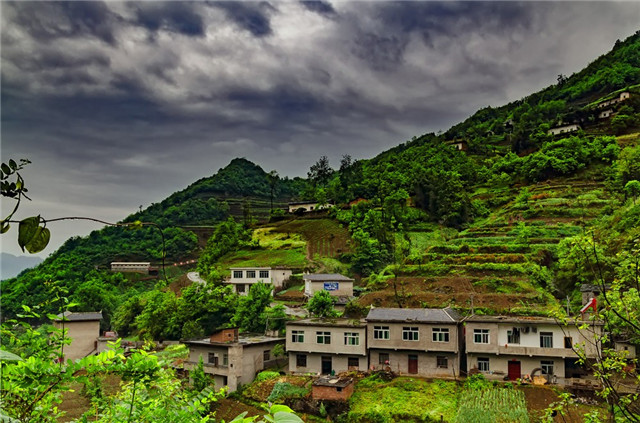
(512, 346)
(564, 129)
(323, 346)
(137, 267)
(336, 284)
(83, 328)
(308, 206)
(243, 277)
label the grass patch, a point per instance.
(267, 238)
(294, 257)
(403, 399)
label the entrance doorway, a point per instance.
(326, 364)
(413, 364)
(513, 369)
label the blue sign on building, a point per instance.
(331, 286)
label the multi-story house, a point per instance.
(232, 359)
(510, 347)
(336, 284)
(326, 346)
(421, 342)
(243, 277)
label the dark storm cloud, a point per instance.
(50, 20)
(250, 16)
(178, 17)
(120, 104)
(321, 7)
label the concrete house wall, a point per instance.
(275, 276)
(345, 288)
(564, 129)
(84, 338)
(338, 349)
(427, 362)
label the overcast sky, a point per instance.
(120, 104)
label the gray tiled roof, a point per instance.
(72, 316)
(425, 315)
(326, 277)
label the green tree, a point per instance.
(321, 304)
(251, 315)
(632, 189)
(320, 172)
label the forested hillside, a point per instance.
(496, 208)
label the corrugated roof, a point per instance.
(423, 315)
(80, 316)
(326, 277)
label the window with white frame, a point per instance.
(351, 338)
(251, 274)
(483, 364)
(546, 339)
(547, 367)
(237, 274)
(297, 336)
(381, 332)
(410, 333)
(440, 334)
(481, 336)
(264, 273)
(323, 337)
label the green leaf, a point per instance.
(284, 417)
(279, 407)
(7, 356)
(4, 227)
(5, 168)
(27, 230)
(12, 164)
(39, 241)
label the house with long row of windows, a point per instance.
(243, 277)
(440, 343)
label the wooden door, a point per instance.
(413, 364)
(326, 365)
(513, 369)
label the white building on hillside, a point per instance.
(243, 277)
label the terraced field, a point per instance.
(498, 264)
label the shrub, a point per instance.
(266, 375)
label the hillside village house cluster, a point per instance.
(432, 343)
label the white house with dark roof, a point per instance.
(336, 284)
(564, 129)
(423, 342)
(243, 277)
(308, 206)
(83, 328)
(513, 346)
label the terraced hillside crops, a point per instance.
(499, 263)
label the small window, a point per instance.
(323, 337)
(351, 338)
(410, 333)
(442, 361)
(240, 288)
(225, 359)
(383, 358)
(251, 274)
(481, 336)
(297, 336)
(513, 336)
(237, 274)
(483, 364)
(440, 334)
(546, 339)
(266, 355)
(381, 332)
(264, 273)
(301, 360)
(547, 367)
(213, 359)
(339, 389)
(353, 362)
(568, 342)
